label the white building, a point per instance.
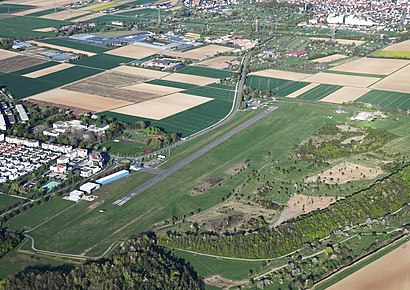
(51, 132)
(22, 112)
(3, 125)
(57, 147)
(75, 196)
(89, 187)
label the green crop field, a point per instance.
(142, 15)
(319, 92)
(84, 229)
(280, 87)
(45, 12)
(10, 8)
(387, 99)
(6, 201)
(172, 84)
(194, 119)
(264, 83)
(392, 54)
(212, 92)
(206, 72)
(103, 61)
(22, 87)
(69, 75)
(36, 67)
(104, 7)
(67, 42)
(21, 27)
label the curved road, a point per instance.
(235, 107)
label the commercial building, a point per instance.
(112, 177)
(89, 187)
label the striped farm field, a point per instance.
(171, 84)
(211, 92)
(319, 92)
(265, 83)
(387, 99)
(206, 72)
(281, 87)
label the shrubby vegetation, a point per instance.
(378, 200)
(331, 142)
(8, 240)
(138, 264)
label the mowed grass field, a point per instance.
(83, 229)
(319, 92)
(7, 200)
(71, 43)
(21, 27)
(387, 99)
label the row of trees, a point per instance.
(138, 264)
(379, 200)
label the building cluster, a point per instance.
(215, 6)
(20, 156)
(82, 3)
(85, 190)
(379, 14)
(11, 114)
(63, 127)
(233, 41)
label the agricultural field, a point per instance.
(206, 72)
(11, 8)
(69, 43)
(387, 99)
(155, 205)
(23, 27)
(319, 92)
(103, 61)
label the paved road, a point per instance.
(165, 173)
(235, 107)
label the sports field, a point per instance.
(319, 92)
(387, 99)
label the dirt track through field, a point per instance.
(390, 272)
